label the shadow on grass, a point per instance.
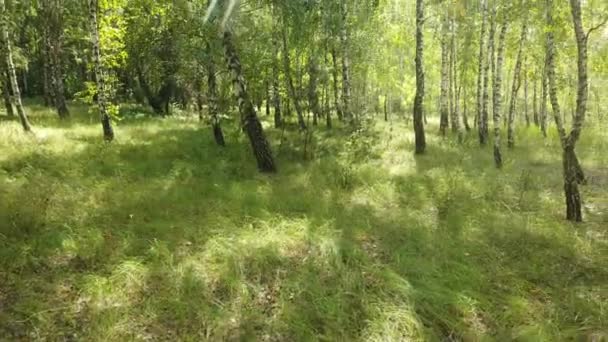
(164, 235)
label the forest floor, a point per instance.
(162, 235)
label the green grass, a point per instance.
(164, 236)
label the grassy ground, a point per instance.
(163, 236)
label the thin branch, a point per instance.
(596, 27)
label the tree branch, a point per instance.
(596, 27)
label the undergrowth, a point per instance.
(162, 235)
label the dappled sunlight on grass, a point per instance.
(163, 235)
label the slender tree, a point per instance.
(212, 99)
(6, 90)
(481, 74)
(419, 98)
(53, 36)
(276, 95)
(444, 95)
(346, 86)
(289, 80)
(7, 56)
(515, 88)
(572, 171)
(497, 96)
(106, 122)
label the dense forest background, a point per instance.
(303, 170)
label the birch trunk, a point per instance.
(251, 123)
(10, 66)
(497, 96)
(419, 98)
(106, 122)
(515, 88)
(481, 71)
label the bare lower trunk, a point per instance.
(251, 123)
(276, 95)
(335, 85)
(535, 104)
(456, 127)
(443, 97)
(10, 66)
(497, 97)
(543, 101)
(515, 88)
(313, 97)
(6, 93)
(212, 99)
(106, 123)
(526, 112)
(346, 87)
(481, 73)
(419, 98)
(290, 84)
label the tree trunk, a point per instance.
(483, 120)
(572, 171)
(54, 39)
(10, 67)
(482, 75)
(443, 96)
(106, 122)
(289, 80)
(456, 127)
(543, 102)
(253, 127)
(335, 83)
(535, 103)
(497, 96)
(515, 88)
(526, 112)
(419, 98)
(465, 114)
(276, 95)
(46, 72)
(346, 87)
(212, 99)
(6, 92)
(313, 97)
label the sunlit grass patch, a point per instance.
(163, 235)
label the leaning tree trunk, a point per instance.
(216, 125)
(497, 96)
(10, 67)
(346, 86)
(250, 121)
(419, 98)
(443, 96)
(481, 73)
(106, 122)
(515, 89)
(289, 80)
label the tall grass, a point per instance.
(162, 235)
